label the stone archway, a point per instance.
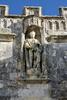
(35, 28)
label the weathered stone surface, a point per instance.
(6, 50)
(57, 69)
(28, 91)
(56, 62)
(51, 32)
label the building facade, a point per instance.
(51, 32)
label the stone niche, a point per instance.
(37, 30)
(34, 56)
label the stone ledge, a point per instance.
(57, 38)
(33, 81)
(6, 35)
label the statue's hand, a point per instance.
(27, 45)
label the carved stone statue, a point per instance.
(32, 55)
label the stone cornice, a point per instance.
(6, 35)
(57, 38)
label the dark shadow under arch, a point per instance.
(35, 28)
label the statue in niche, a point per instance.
(32, 56)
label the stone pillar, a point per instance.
(6, 54)
(44, 32)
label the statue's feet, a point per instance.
(31, 74)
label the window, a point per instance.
(56, 25)
(50, 25)
(63, 26)
(2, 11)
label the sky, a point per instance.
(49, 7)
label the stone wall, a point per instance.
(56, 86)
(6, 50)
(53, 84)
(57, 70)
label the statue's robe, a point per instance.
(32, 55)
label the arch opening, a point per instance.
(56, 25)
(63, 26)
(35, 28)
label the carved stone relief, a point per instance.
(32, 56)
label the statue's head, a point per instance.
(32, 34)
